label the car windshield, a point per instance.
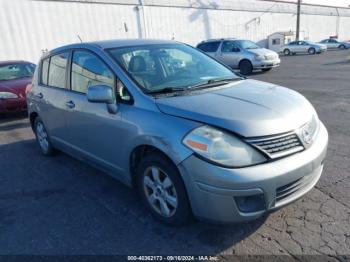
(173, 66)
(246, 44)
(16, 71)
(309, 42)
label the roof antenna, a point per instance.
(80, 39)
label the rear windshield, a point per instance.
(16, 71)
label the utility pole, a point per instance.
(298, 21)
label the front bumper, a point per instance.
(213, 190)
(13, 105)
(265, 64)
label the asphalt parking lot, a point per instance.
(58, 205)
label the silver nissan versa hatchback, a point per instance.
(194, 138)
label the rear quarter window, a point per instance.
(44, 71)
(57, 70)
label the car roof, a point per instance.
(113, 43)
(130, 42)
(7, 62)
(221, 39)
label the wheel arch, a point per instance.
(139, 152)
(285, 49)
(32, 117)
(245, 59)
(312, 48)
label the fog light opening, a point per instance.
(250, 204)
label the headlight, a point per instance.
(259, 57)
(308, 131)
(7, 95)
(222, 148)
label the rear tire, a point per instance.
(162, 190)
(312, 51)
(245, 67)
(42, 138)
(286, 51)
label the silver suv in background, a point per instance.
(303, 47)
(192, 136)
(241, 54)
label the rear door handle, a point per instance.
(39, 95)
(70, 104)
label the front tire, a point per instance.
(42, 138)
(312, 51)
(342, 47)
(162, 190)
(245, 67)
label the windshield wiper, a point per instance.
(214, 82)
(167, 90)
(205, 84)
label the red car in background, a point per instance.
(14, 77)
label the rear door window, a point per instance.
(229, 46)
(209, 46)
(57, 70)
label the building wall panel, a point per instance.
(29, 26)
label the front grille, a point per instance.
(288, 190)
(278, 146)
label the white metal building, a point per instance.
(279, 39)
(29, 26)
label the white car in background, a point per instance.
(333, 43)
(303, 46)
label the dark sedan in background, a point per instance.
(14, 78)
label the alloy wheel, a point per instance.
(160, 191)
(312, 51)
(42, 137)
(286, 52)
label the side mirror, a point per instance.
(103, 94)
(100, 94)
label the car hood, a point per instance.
(262, 51)
(17, 86)
(249, 108)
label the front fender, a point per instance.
(158, 130)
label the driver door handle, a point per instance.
(70, 104)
